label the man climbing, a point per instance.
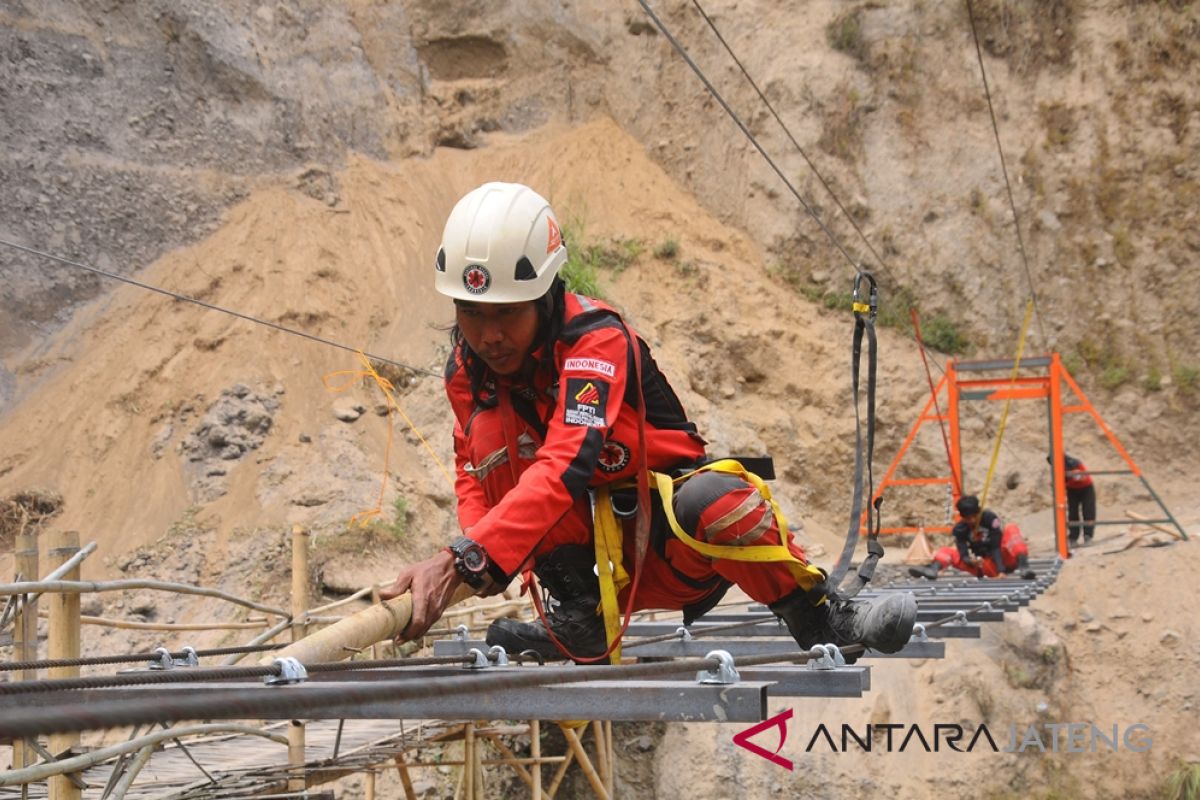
(559, 410)
(983, 547)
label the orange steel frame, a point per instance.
(1048, 387)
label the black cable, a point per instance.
(214, 307)
(788, 133)
(745, 130)
(129, 658)
(1004, 169)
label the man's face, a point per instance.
(501, 334)
(972, 519)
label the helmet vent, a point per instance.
(524, 270)
(441, 260)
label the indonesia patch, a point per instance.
(589, 365)
(585, 402)
(614, 457)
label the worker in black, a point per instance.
(983, 546)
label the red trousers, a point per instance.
(1012, 546)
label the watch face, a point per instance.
(473, 559)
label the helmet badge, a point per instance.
(476, 279)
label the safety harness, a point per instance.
(819, 586)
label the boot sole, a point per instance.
(896, 617)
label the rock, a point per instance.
(1169, 637)
(347, 410)
(305, 438)
(1085, 614)
(1094, 627)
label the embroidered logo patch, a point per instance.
(476, 279)
(614, 456)
(589, 365)
(585, 403)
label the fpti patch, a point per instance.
(585, 401)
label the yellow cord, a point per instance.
(987, 483)
(352, 376)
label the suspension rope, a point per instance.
(1004, 169)
(679, 48)
(212, 306)
(1007, 404)
(787, 132)
(937, 406)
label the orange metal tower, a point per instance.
(1052, 383)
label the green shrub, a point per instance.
(1153, 380)
(1185, 376)
(398, 527)
(1183, 783)
(1114, 375)
(668, 250)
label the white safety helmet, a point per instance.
(502, 244)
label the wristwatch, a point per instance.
(470, 560)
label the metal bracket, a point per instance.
(825, 656)
(960, 618)
(480, 662)
(461, 633)
(684, 634)
(167, 661)
(724, 674)
(919, 634)
(290, 671)
(497, 652)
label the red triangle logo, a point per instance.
(555, 236)
(778, 721)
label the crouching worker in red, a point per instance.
(983, 547)
(549, 419)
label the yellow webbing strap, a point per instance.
(987, 483)
(806, 575)
(610, 566)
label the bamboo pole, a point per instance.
(585, 763)
(25, 631)
(63, 643)
(562, 771)
(535, 752)
(601, 753)
(299, 581)
(510, 759)
(359, 631)
(296, 780)
(44, 770)
(405, 778)
(295, 738)
(369, 788)
(469, 761)
(612, 758)
(1142, 521)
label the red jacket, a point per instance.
(1077, 476)
(572, 426)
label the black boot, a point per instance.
(884, 623)
(929, 571)
(1023, 567)
(568, 574)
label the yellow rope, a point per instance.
(987, 483)
(352, 376)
